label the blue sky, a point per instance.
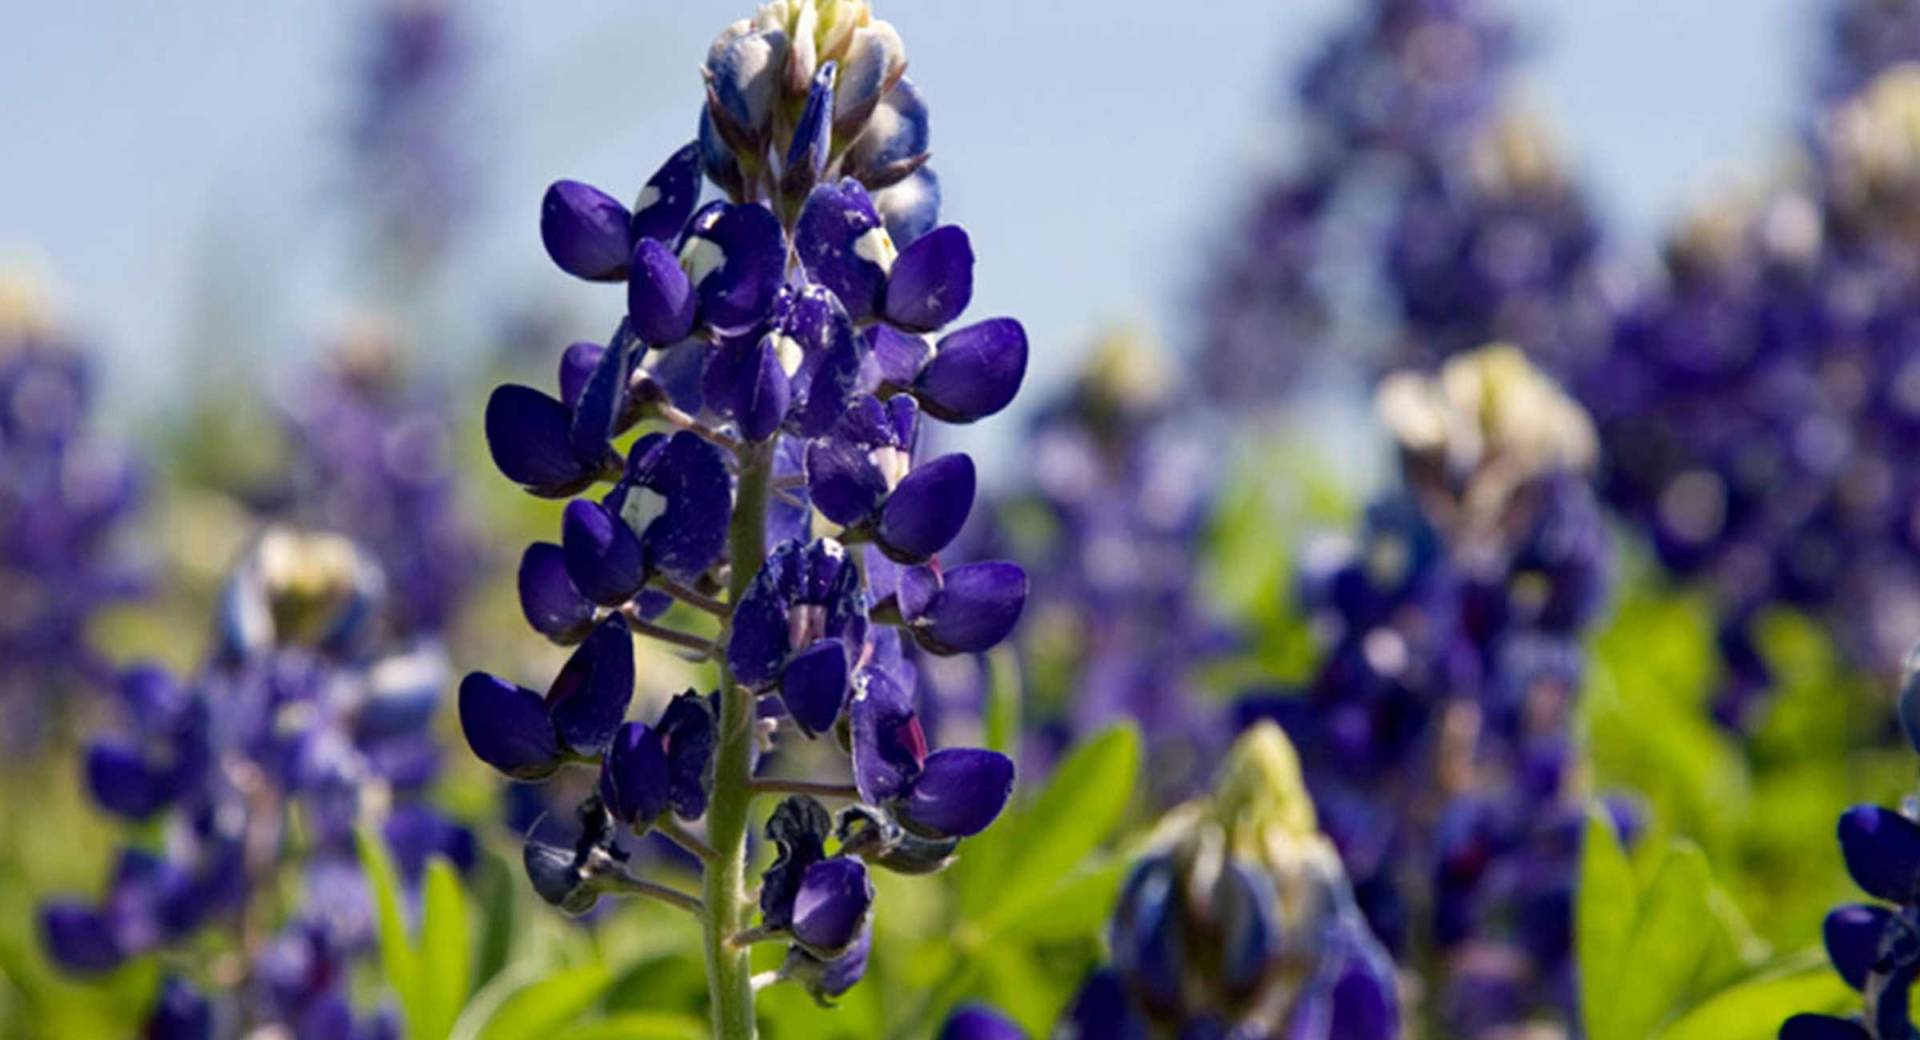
(169, 163)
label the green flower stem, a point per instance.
(727, 909)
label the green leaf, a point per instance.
(1754, 1009)
(1608, 903)
(536, 1011)
(399, 966)
(1012, 870)
(1077, 906)
(639, 1025)
(445, 953)
(1672, 935)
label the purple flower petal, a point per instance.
(585, 231)
(1822, 1027)
(687, 728)
(975, 371)
(604, 558)
(577, 363)
(745, 382)
(975, 1022)
(927, 510)
(588, 699)
(633, 775)
(597, 414)
(812, 138)
(888, 743)
(932, 280)
(894, 357)
(1853, 935)
(958, 793)
(120, 779)
(842, 481)
(975, 607)
(691, 533)
(758, 646)
(78, 938)
(815, 684)
(669, 196)
(528, 434)
(875, 61)
(660, 298)
(736, 258)
(831, 906)
(548, 598)
(508, 727)
(1882, 851)
(841, 243)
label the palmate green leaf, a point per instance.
(540, 1009)
(445, 954)
(1010, 870)
(1752, 1009)
(399, 966)
(1608, 904)
(1077, 905)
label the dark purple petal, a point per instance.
(745, 382)
(798, 829)
(529, 436)
(1147, 937)
(895, 357)
(1882, 850)
(633, 776)
(548, 598)
(932, 280)
(122, 782)
(597, 415)
(975, 371)
(831, 905)
(888, 743)
(843, 246)
(589, 698)
(826, 979)
(812, 137)
(687, 728)
(585, 231)
(692, 531)
(976, 606)
(842, 481)
(814, 687)
(1102, 1010)
(660, 300)
(763, 402)
(1853, 935)
(1822, 1027)
(577, 363)
(831, 356)
(508, 727)
(603, 556)
(78, 938)
(758, 646)
(736, 257)
(928, 509)
(669, 196)
(180, 1012)
(958, 793)
(1365, 1000)
(976, 1022)
(717, 159)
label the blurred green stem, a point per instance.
(727, 908)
